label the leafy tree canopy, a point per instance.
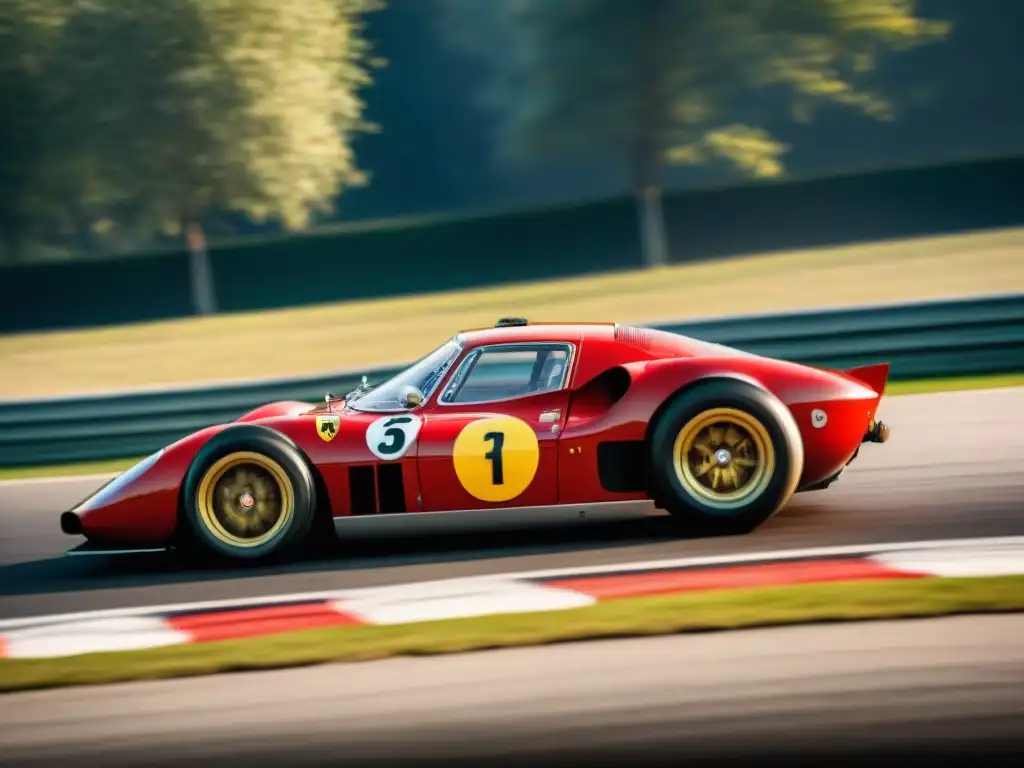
(146, 116)
(685, 81)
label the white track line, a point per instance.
(767, 556)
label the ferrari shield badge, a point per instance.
(327, 427)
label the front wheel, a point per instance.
(249, 495)
(725, 455)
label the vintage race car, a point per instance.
(516, 422)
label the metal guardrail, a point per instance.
(921, 340)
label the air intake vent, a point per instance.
(362, 491)
(391, 488)
(641, 338)
(379, 490)
(508, 321)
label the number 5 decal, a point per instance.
(496, 458)
(391, 437)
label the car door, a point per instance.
(490, 438)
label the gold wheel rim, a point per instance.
(245, 499)
(724, 457)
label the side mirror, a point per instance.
(410, 397)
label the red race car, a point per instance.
(505, 423)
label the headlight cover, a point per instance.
(112, 489)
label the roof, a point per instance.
(537, 332)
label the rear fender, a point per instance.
(850, 401)
(694, 379)
(621, 407)
(875, 376)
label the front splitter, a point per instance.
(91, 548)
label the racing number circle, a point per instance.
(496, 458)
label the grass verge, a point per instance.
(370, 333)
(895, 388)
(693, 612)
(954, 384)
(68, 470)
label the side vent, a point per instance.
(376, 491)
(361, 490)
(620, 465)
(391, 488)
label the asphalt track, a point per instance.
(949, 689)
(953, 468)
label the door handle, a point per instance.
(551, 417)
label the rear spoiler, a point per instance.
(874, 376)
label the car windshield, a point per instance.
(424, 375)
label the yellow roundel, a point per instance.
(496, 458)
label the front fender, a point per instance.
(273, 410)
(140, 506)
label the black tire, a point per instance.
(772, 434)
(276, 475)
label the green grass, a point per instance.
(693, 612)
(371, 333)
(954, 384)
(895, 388)
(62, 470)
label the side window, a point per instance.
(500, 373)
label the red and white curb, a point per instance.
(528, 592)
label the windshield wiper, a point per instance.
(359, 391)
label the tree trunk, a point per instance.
(646, 159)
(653, 93)
(200, 274)
(653, 241)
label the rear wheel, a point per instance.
(249, 495)
(725, 455)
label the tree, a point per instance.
(169, 111)
(653, 82)
(27, 32)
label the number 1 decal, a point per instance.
(497, 470)
(496, 458)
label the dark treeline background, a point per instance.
(430, 134)
(535, 244)
(436, 147)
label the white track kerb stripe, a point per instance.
(151, 627)
(1010, 550)
(458, 600)
(99, 636)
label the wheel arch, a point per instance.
(782, 412)
(323, 512)
(699, 381)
